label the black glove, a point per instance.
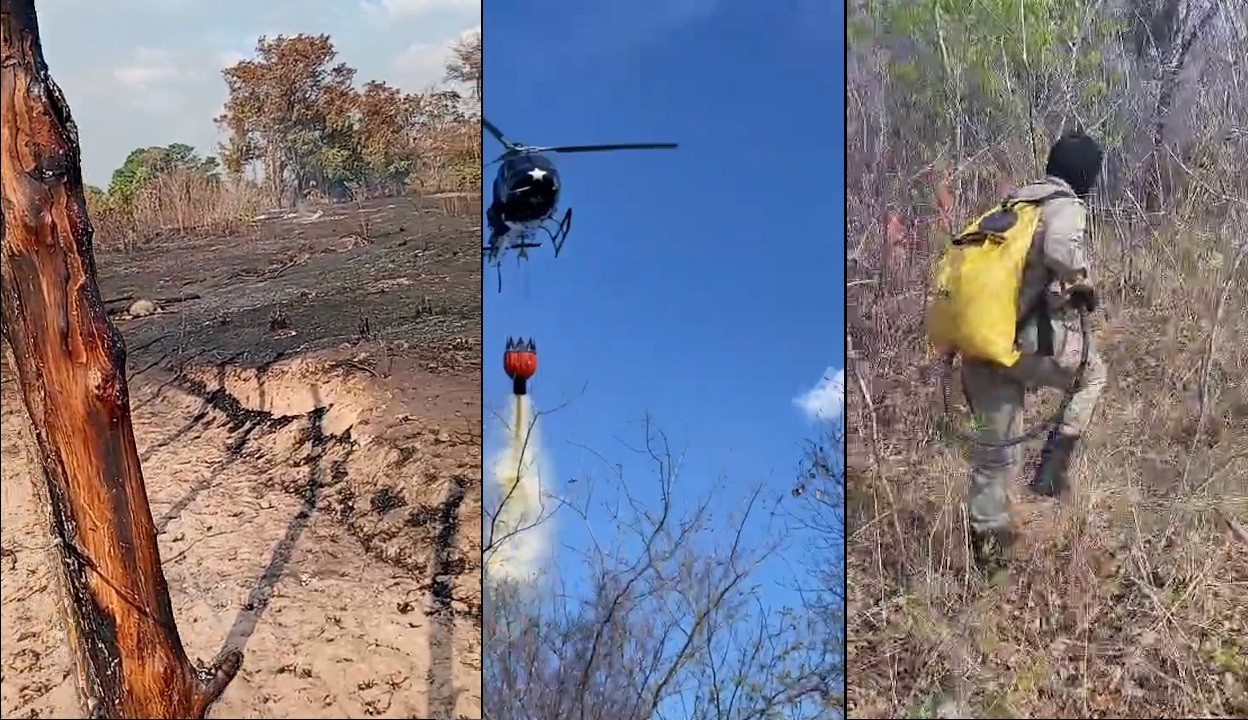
(1081, 295)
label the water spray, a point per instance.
(521, 541)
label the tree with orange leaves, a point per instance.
(298, 115)
(385, 118)
(282, 109)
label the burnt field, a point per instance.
(306, 399)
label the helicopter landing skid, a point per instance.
(524, 242)
(523, 248)
(560, 234)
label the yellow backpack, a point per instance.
(975, 309)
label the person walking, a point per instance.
(1056, 283)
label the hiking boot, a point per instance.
(1050, 480)
(992, 548)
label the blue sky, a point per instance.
(703, 285)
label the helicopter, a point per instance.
(526, 195)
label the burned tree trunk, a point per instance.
(70, 363)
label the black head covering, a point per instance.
(1076, 158)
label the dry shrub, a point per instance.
(176, 202)
(1127, 601)
(451, 158)
(459, 204)
(665, 607)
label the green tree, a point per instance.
(97, 198)
(143, 165)
(973, 70)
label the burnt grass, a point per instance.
(375, 273)
(381, 270)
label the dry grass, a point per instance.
(178, 202)
(1127, 601)
(452, 160)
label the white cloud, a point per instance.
(825, 402)
(150, 67)
(404, 9)
(424, 64)
(421, 65)
(230, 58)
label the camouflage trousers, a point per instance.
(996, 395)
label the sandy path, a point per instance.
(328, 630)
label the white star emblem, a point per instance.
(537, 173)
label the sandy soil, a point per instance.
(310, 431)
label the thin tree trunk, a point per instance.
(70, 363)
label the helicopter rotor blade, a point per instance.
(604, 148)
(498, 134)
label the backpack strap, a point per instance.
(1010, 202)
(1007, 206)
(1045, 342)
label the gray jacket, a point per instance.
(1058, 256)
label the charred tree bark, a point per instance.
(70, 363)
